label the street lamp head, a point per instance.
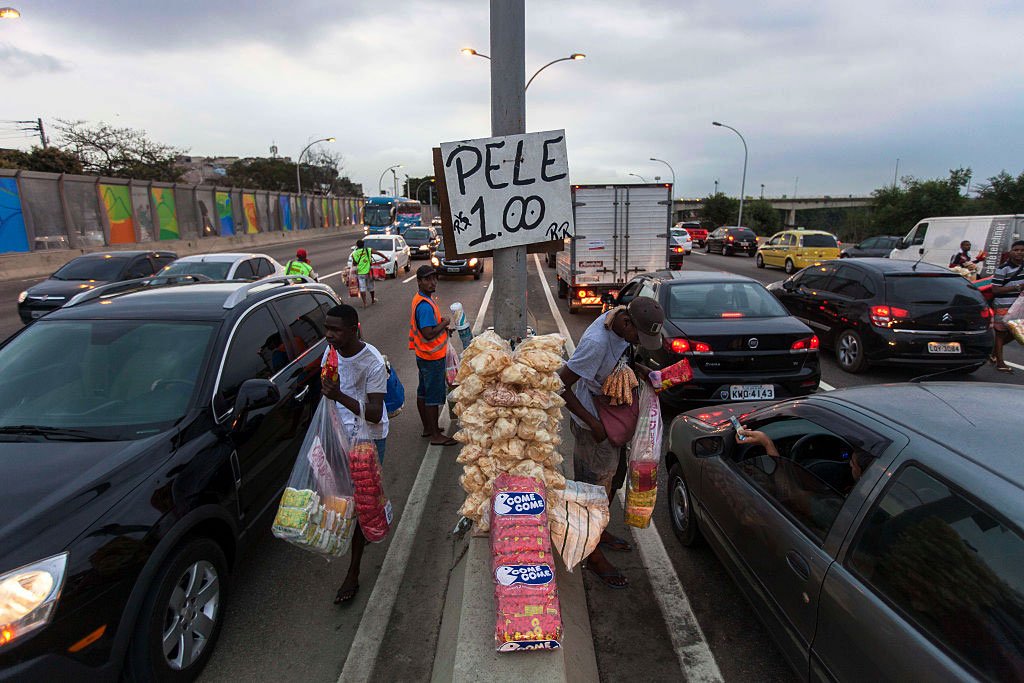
(715, 123)
(331, 139)
(468, 51)
(577, 55)
(9, 13)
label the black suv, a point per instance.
(145, 429)
(86, 272)
(730, 239)
(875, 310)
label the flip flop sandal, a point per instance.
(607, 577)
(344, 596)
(1005, 368)
(448, 442)
(618, 545)
(992, 359)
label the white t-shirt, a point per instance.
(362, 374)
(593, 360)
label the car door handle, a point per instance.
(798, 564)
(302, 394)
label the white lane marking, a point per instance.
(409, 279)
(1014, 365)
(478, 324)
(562, 329)
(691, 648)
(825, 386)
(337, 272)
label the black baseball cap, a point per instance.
(647, 318)
(424, 272)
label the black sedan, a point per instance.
(422, 242)
(85, 273)
(877, 531)
(730, 239)
(885, 311)
(740, 343)
(880, 246)
(445, 266)
(144, 433)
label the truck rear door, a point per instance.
(644, 240)
(594, 253)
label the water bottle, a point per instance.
(460, 324)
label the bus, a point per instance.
(390, 215)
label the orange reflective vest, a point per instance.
(427, 349)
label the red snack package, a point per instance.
(643, 475)
(677, 373)
(329, 370)
(373, 509)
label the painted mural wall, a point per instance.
(117, 201)
(13, 236)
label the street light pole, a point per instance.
(420, 186)
(637, 175)
(508, 117)
(394, 183)
(298, 162)
(380, 181)
(573, 57)
(673, 173)
(743, 183)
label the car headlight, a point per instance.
(435, 261)
(22, 297)
(472, 262)
(28, 595)
(424, 247)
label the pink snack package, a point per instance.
(677, 373)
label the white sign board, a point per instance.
(508, 191)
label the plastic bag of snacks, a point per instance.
(527, 613)
(318, 508)
(677, 373)
(352, 282)
(451, 364)
(372, 507)
(644, 456)
(577, 516)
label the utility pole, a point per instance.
(42, 132)
(508, 117)
(37, 127)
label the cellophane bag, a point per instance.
(677, 373)
(577, 516)
(317, 511)
(1016, 309)
(451, 364)
(527, 612)
(644, 456)
(372, 507)
(352, 281)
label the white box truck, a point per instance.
(621, 230)
(936, 240)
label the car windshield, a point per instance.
(827, 241)
(106, 268)
(379, 244)
(417, 234)
(931, 289)
(679, 232)
(104, 379)
(377, 214)
(215, 270)
(722, 300)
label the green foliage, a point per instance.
(1002, 194)
(423, 184)
(900, 208)
(320, 175)
(118, 152)
(719, 209)
(759, 215)
(48, 160)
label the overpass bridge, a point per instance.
(690, 209)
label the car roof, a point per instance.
(978, 420)
(801, 231)
(119, 254)
(220, 257)
(670, 277)
(193, 301)
(736, 227)
(886, 266)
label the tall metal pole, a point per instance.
(508, 117)
(743, 183)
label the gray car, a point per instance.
(879, 246)
(885, 542)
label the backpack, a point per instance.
(394, 397)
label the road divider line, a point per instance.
(478, 324)
(337, 272)
(825, 386)
(410, 278)
(692, 651)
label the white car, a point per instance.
(681, 238)
(396, 250)
(226, 266)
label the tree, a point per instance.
(897, 209)
(718, 209)
(1002, 194)
(118, 152)
(421, 183)
(320, 175)
(760, 216)
(48, 160)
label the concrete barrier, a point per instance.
(42, 263)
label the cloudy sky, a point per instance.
(828, 93)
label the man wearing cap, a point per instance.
(300, 265)
(595, 459)
(428, 337)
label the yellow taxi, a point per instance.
(792, 250)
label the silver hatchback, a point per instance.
(884, 542)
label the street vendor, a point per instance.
(963, 259)
(596, 460)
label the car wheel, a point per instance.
(850, 352)
(573, 309)
(680, 508)
(181, 619)
(759, 261)
(790, 266)
(563, 289)
(707, 247)
(408, 267)
(476, 274)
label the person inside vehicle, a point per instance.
(1007, 284)
(962, 259)
(858, 460)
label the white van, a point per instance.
(935, 240)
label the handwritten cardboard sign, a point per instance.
(506, 191)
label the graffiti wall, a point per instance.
(166, 213)
(225, 220)
(252, 222)
(12, 221)
(117, 201)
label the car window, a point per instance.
(851, 282)
(788, 240)
(932, 289)
(647, 289)
(776, 239)
(819, 241)
(816, 277)
(245, 271)
(722, 300)
(870, 243)
(139, 267)
(91, 268)
(304, 318)
(379, 243)
(889, 242)
(263, 267)
(629, 292)
(162, 260)
(257, 352)
(919, 233)
(215, 270)
(951, 566)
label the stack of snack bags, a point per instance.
(527, 613)
(373, 509)
(644, 455)
(577, 516)
(509, 408)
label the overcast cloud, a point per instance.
(828, 92)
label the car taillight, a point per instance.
(677, 250)
(731, 238)
(885, 316)
(684, 345)
(986, 312)
(806, 344)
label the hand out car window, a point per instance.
(951, 567)
(257, 352)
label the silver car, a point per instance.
(884, 542)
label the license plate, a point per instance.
(751, 392)
(452, 270)
(943, 347)
(744, 244)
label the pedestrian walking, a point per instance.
(362, 259)
(300, 265)
(595, 459)
(428, 337)
(1007, 285)
(358, 396)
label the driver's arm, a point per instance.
(752, 436)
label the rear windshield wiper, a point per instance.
(54, 433)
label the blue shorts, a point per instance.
(432, 382)
(380, 444)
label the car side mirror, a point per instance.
(608, 299)
(708, 446)
(254, 394)
(788, 285)
(902, 244)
